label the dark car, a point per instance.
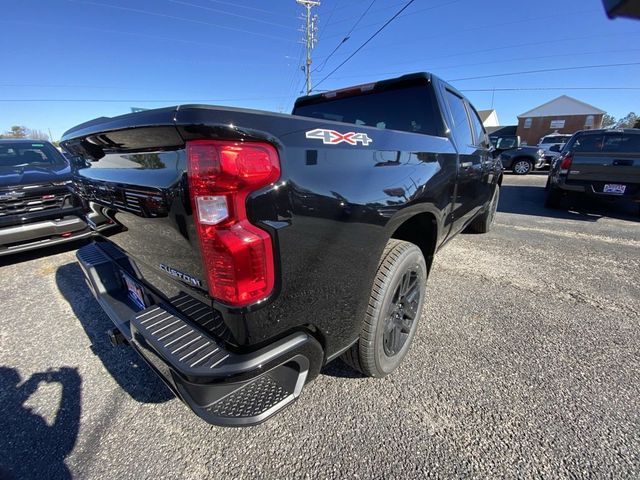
(599, 163)
(256, 247)
(37, 207)
(520, 159)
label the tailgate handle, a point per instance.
(623, 163)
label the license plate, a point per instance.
(614, 188)
(134, 291)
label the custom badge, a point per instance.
(331, 137)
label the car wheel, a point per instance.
(522, 167)
(552, 200)
(484, 222)
(393, 313)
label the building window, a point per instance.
(528, 122)
(588, 123)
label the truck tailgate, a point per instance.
(604, 167)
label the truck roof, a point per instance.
(408, 79)
(635, 131)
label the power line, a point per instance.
(345, 38)
(458, 31)
(368, 40)
(535, 89)
(434, 68)
(253, 19)
(200, 100)
(235, 48)
(233, 4)
(183, 19)
(414, 12)
(328, 22)
(137, 100)
(545, 70)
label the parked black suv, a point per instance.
(520, 159)
(599, 163)
(37, 207)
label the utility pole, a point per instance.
(310, 36)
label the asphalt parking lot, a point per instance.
(526, 364)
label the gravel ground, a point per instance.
(526, 364)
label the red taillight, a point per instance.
(565, 164)
(237, 255)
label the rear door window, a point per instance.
(621, 143)
(480, 138)
(587, 143)
(461, 127)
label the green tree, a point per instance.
(608, 121)
(20, 131)
(628, 121)
(17, 131)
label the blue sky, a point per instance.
(118, 54)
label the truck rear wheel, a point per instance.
(394, 310)
(484, 221)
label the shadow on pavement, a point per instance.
(529, 200)
(338, 368)
(29, 446)
(126, 367)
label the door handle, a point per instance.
(466, 164)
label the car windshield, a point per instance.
(503, 143)
(556, 139)
(22, 154)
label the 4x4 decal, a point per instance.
(331, 137)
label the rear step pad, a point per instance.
(220, 386)
(205, 364)
(189, 350)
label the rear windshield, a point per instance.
(556, 139)
(408, 109)
(21, 154)
(606, 143)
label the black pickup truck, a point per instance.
(603, 164)
(256, 247)
(37, 208)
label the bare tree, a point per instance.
(38, 135)
(20, 131)
(16, 131)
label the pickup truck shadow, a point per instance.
(529, 200)
(125, 366)
(340, 369)
(32, 447)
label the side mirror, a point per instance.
(554, 148)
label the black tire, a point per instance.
(393, 313)
(483, 222)
(522, 166)
(552, 200)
